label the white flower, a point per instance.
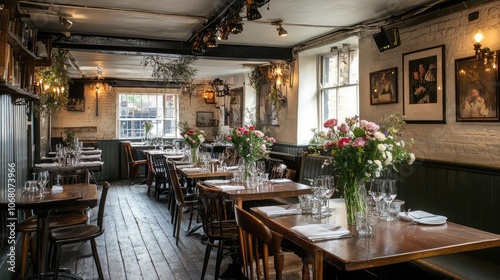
(381, 147)
(379, 136)
(388, 159)
(379, 164)
(412, 159)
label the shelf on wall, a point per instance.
(22, 50)
(6, 88)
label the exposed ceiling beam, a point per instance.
(146, 46)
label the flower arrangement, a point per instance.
(193, 137)
(148, 126)
(361, 150)
(249, 143)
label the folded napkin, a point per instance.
(230, 188)
(52, 164)
(184, 166)
(283, 210)
(319, 232)
(232, 168)
(218, 181)
(191, 169)
(91, 163)
(281, 180)
(422, 217)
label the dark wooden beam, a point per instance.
(119, 45)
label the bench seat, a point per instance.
(459, 266)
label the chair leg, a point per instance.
(205, 261)
(24, 252)
(174, 219)
(57, 257)
(190, 218)
(179, 215)
(96, 258)
(219, 259)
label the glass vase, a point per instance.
(355, 196)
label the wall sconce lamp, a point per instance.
(279, 27)
(66, 22)
(221, 89)
(488, 55)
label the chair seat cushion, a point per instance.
(74, 233)
(56, 221)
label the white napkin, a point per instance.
(281, 180)
(422, 217)
(230, 188)
(276, 211)
(318, 232)
(192, 169)
(218, 181)
(232, 168)
(91, 163)
(52, 164)
(184, 166)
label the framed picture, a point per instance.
(384, 86)
(423, 86)
(477, 90)
(204, 118)
(76, 104)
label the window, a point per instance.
(135, 108)
(339, 84)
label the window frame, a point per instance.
(164, 96)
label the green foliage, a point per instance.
(55, 79)
(169, 71)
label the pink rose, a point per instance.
(344, 141)
(258, 133)
(330, 123)
(190, 131)
(229, 137)
(273, 140)
(344, 128)
(360, 142)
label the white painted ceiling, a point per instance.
(177, 20)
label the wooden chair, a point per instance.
(181, 200)
(230, 156)
(159, 174)
(29, 226)
(80, 233)
(217, 216)
(257, 241)
(134, 166)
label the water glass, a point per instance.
(396, 208)
(365, 223)
(305, 203)
(237, 177)
(316, 207)
(252, 180)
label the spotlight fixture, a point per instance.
(252, 11)
(279, 27)
(66, 22)
(488, 55)
(236, 24)
(211, 40)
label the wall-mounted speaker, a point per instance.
(387, 39)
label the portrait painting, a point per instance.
(476, 90)
(76, 104)
(384, 86)
(423, 86)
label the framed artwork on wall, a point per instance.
(384, 86)
(423, 86)
(76, 104)
(477, 90)
(204, 118)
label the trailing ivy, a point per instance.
(262, 76)
(172, 72)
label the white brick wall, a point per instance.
(467, 142)
(106, 121)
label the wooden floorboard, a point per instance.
(138, 242)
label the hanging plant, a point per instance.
(53, 82)
(172, 72)
(269, 75)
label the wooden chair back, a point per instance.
(255, 241)
(176, 186)
(230, 156)
(127, 146)
(216, 212)
(102, 205)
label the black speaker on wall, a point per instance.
(387, 39)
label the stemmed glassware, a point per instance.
(43, 179)
(241, 164)
(206, 157)
(375, 191)
(161, 144)
(220, 158)
(389, 192)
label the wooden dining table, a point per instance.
(394, 242)
(41, 205)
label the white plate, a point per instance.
(436, 220)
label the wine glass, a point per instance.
(161, 144)
(260, 166)
(241, 164)
(43, 178)
(389, 191)
(375, 191)
(206, 157)
(221, 157)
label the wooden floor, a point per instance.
(138, 242)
